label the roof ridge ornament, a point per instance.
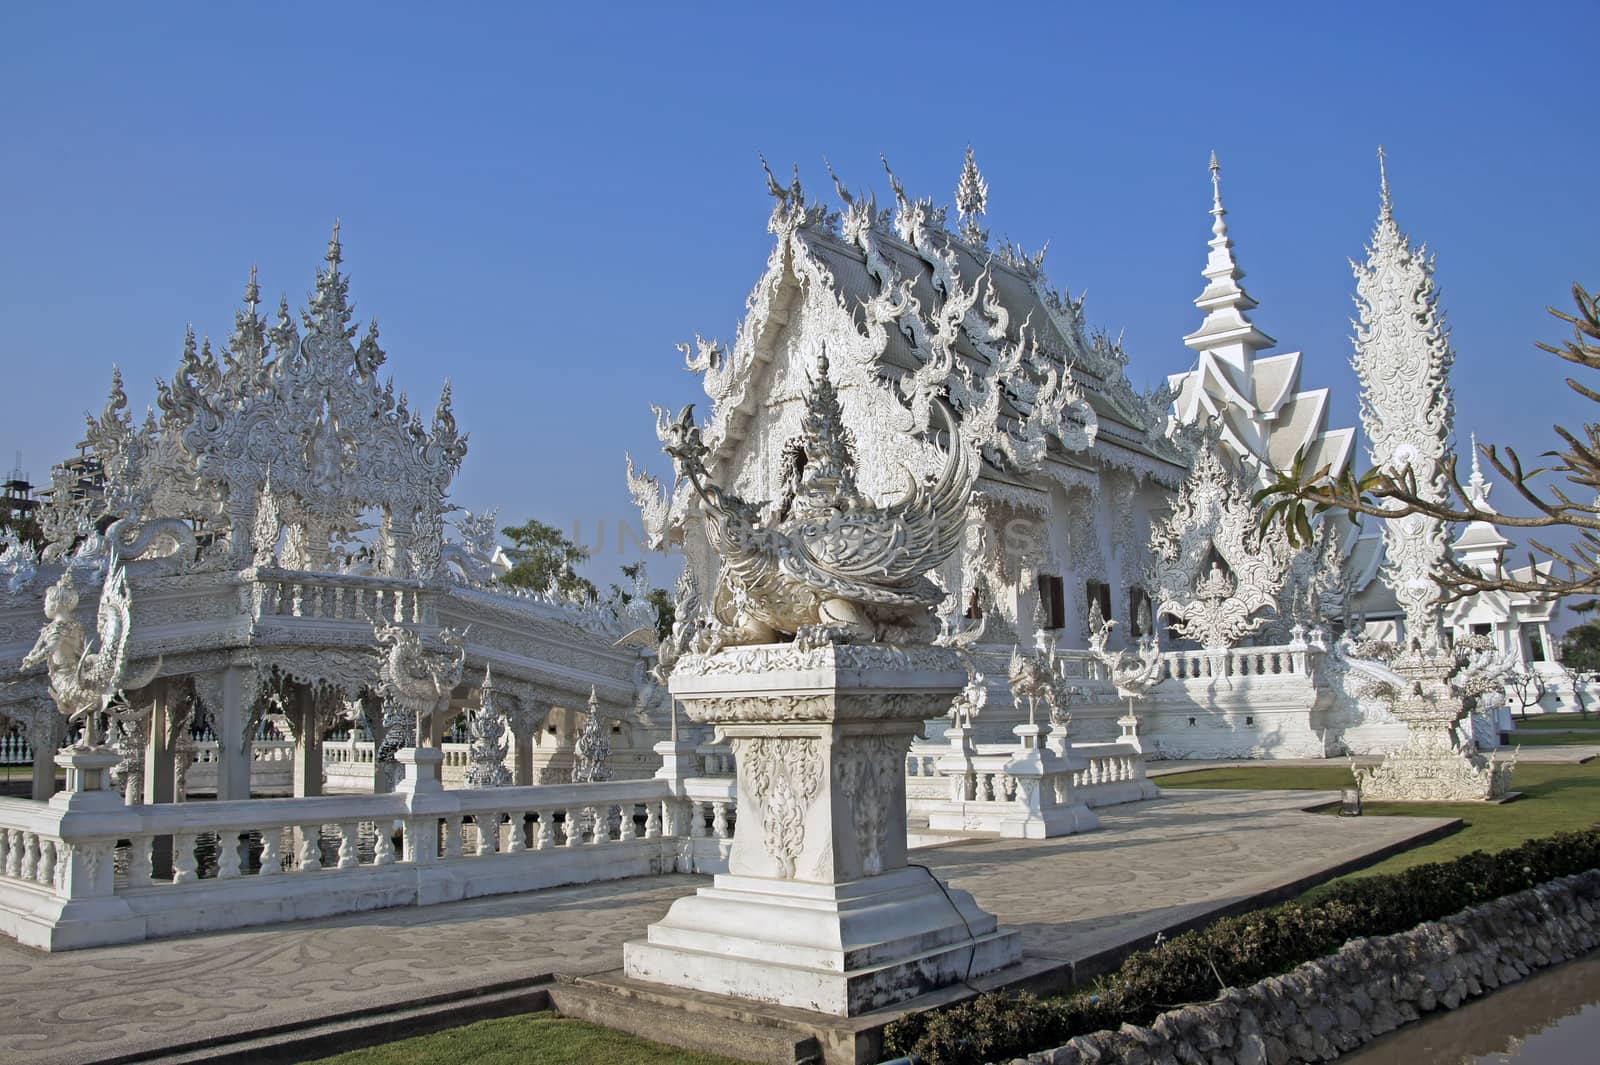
(972, 201)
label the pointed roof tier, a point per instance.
(1257, 402)
(1481, 543)
(1227, 330)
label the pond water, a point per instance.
(1552, 1018)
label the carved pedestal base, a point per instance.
(1430, 767)
(88, 779)
(1435, 772)
(842, 949)
(819, 909)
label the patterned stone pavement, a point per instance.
(1154, 865)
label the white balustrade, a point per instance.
(200, 866)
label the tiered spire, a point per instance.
(1227, 330)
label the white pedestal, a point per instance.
(421, 770)
(842, 949)
(819, 910)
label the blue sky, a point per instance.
(539, 202)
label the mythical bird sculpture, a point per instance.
(823, 564)
(85, 681)
(1133, 671)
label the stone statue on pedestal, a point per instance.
(818, 666)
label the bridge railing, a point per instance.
(126, 873)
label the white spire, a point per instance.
(1227, 330)
(1477, 487)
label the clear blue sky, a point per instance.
(540, 201)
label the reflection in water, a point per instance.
(1552, 1018)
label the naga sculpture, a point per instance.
(823, 564)
(416, 678)
(85, 682)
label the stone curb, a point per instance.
(1332, 1005)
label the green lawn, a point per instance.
(1558, 721)
(1547, 738)
(1556, 798)
(529, 1039)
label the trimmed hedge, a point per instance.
(1236, 952)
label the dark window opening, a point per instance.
(1052, 601)
(1139, 604)
(1099, 592)
(1191, 722)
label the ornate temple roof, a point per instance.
(1257, 402)
(904, 305)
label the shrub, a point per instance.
(1237, 951)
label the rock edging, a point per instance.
(1370, 986)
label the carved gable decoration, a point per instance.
(1210, 570)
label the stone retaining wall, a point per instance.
(1371, 986)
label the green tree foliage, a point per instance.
(541, 554)
(1580, 648)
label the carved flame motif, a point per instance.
(784, 774)
(1211, 570)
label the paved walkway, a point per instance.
(1155, 865)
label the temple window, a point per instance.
(1052, 601)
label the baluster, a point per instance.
(597, 820)
(338, 601)
(488, 832)
(569, 824)
(10, 857)
(652, 820)
(271, 856)
(546, 836)
(516, 832)
(719, 818)
(139, 865)
(697, 821)
(310, 846)
(383, 843)
(349, 858)
(30, 856)
(227, 854)
(184, 867)
(46, 874)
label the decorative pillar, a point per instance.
(1403, 360)
(307, 743)
(235, 727)
(818, 909)
(160, 771)
(44, 737)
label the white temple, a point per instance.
(272, 572)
